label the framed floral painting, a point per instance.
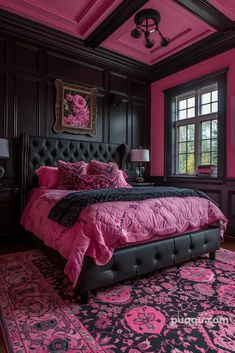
(75, 109)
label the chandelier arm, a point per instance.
(141, 29)
(160, 34)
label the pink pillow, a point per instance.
(87, 182)
(96, 167)
(48, 177)
(69, 173)
(122, 176)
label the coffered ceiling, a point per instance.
(177, 23)
(107, 23)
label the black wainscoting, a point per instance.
(221, 191)
(32, 56)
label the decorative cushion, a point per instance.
(97, 167)
(69, 173)
(48, 177)
(87, 182)
(122, 176)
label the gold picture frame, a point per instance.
(75, 109)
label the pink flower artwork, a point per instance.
(76, 111)
(75, 108)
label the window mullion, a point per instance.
(208, 117)
(197, 131)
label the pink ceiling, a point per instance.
(227, 7)
(176, 23)
(81, 17)
(77, 17)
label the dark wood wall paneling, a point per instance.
(28, 70)
(223, 193)
(32, 56)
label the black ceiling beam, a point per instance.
(119, 16)
(205, 48)
(207, 13)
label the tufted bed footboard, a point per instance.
(137, 260)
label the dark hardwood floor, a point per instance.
(229, 243)
(23, 244)
(15, 244)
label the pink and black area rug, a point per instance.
(185, 309)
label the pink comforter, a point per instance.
(101, 228)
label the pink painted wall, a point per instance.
(226, 59)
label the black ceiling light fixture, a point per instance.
(147, 21)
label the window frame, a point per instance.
(199, 84)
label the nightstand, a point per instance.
(8, 210)
(134, 184)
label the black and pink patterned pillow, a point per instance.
(87, 182)
(97, 167)
(69, 173)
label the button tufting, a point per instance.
(42, 153)
(54, 153)
(48, 161)
(35, 162)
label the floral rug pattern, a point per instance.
(184, 309)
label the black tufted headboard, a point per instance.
(37, 151)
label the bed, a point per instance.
(126, 262)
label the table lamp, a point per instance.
(140, 155)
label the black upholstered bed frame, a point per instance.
(127, 262)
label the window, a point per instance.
(195, 115)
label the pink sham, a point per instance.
(122, 176)
(97, 167)
(69, 173)
(48, 177)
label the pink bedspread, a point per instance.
(101, 228)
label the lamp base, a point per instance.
(2, 170)
(139, 179)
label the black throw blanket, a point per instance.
(66, 211)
